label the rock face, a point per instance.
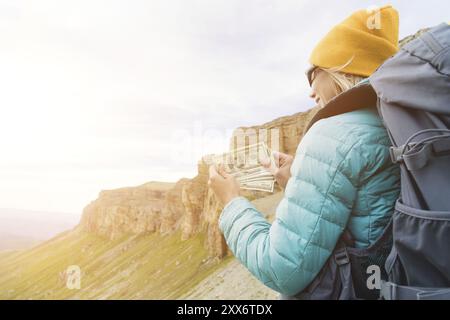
(188, 206)
(127, 210)
(173, 208)
(193, 197)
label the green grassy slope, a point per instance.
(132, 267)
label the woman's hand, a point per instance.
(224, 185)
(282, 168)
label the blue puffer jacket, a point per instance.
(342, 176)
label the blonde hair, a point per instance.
(342, 81)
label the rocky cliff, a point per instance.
(128, 210)
(188, 205)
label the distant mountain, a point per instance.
(16, 242)
(20, 229)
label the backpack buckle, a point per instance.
(341, 257)
(388, 290)
(396, 154)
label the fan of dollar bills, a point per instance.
(246, 164)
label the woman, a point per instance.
(341, 178)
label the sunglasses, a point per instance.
(309, 74)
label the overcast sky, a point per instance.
(104, 94)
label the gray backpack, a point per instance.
(413, 90)
(412, 93)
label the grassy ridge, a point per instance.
(148, 266)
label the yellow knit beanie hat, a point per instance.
(361, 43)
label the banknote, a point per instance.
(266, 186)
(245, 164)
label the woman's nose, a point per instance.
(312, 95)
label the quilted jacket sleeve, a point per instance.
(287, 254)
